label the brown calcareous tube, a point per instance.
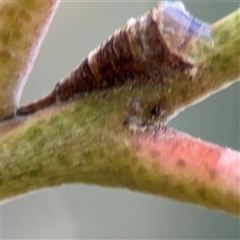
(135, 51)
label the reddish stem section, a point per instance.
(197, 171)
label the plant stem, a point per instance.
(23, 27)
(85, 140)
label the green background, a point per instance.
(82, 211)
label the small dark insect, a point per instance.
(161, 38)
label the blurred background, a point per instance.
(83, 211)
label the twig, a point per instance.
(23, 27)
(86, 140)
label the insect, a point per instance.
(161, 38)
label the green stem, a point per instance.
(86, 141)
(23, 28)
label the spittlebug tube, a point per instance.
(162, 38)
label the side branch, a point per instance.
(195, 171)
(24, 25)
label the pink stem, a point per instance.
(197, 171)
